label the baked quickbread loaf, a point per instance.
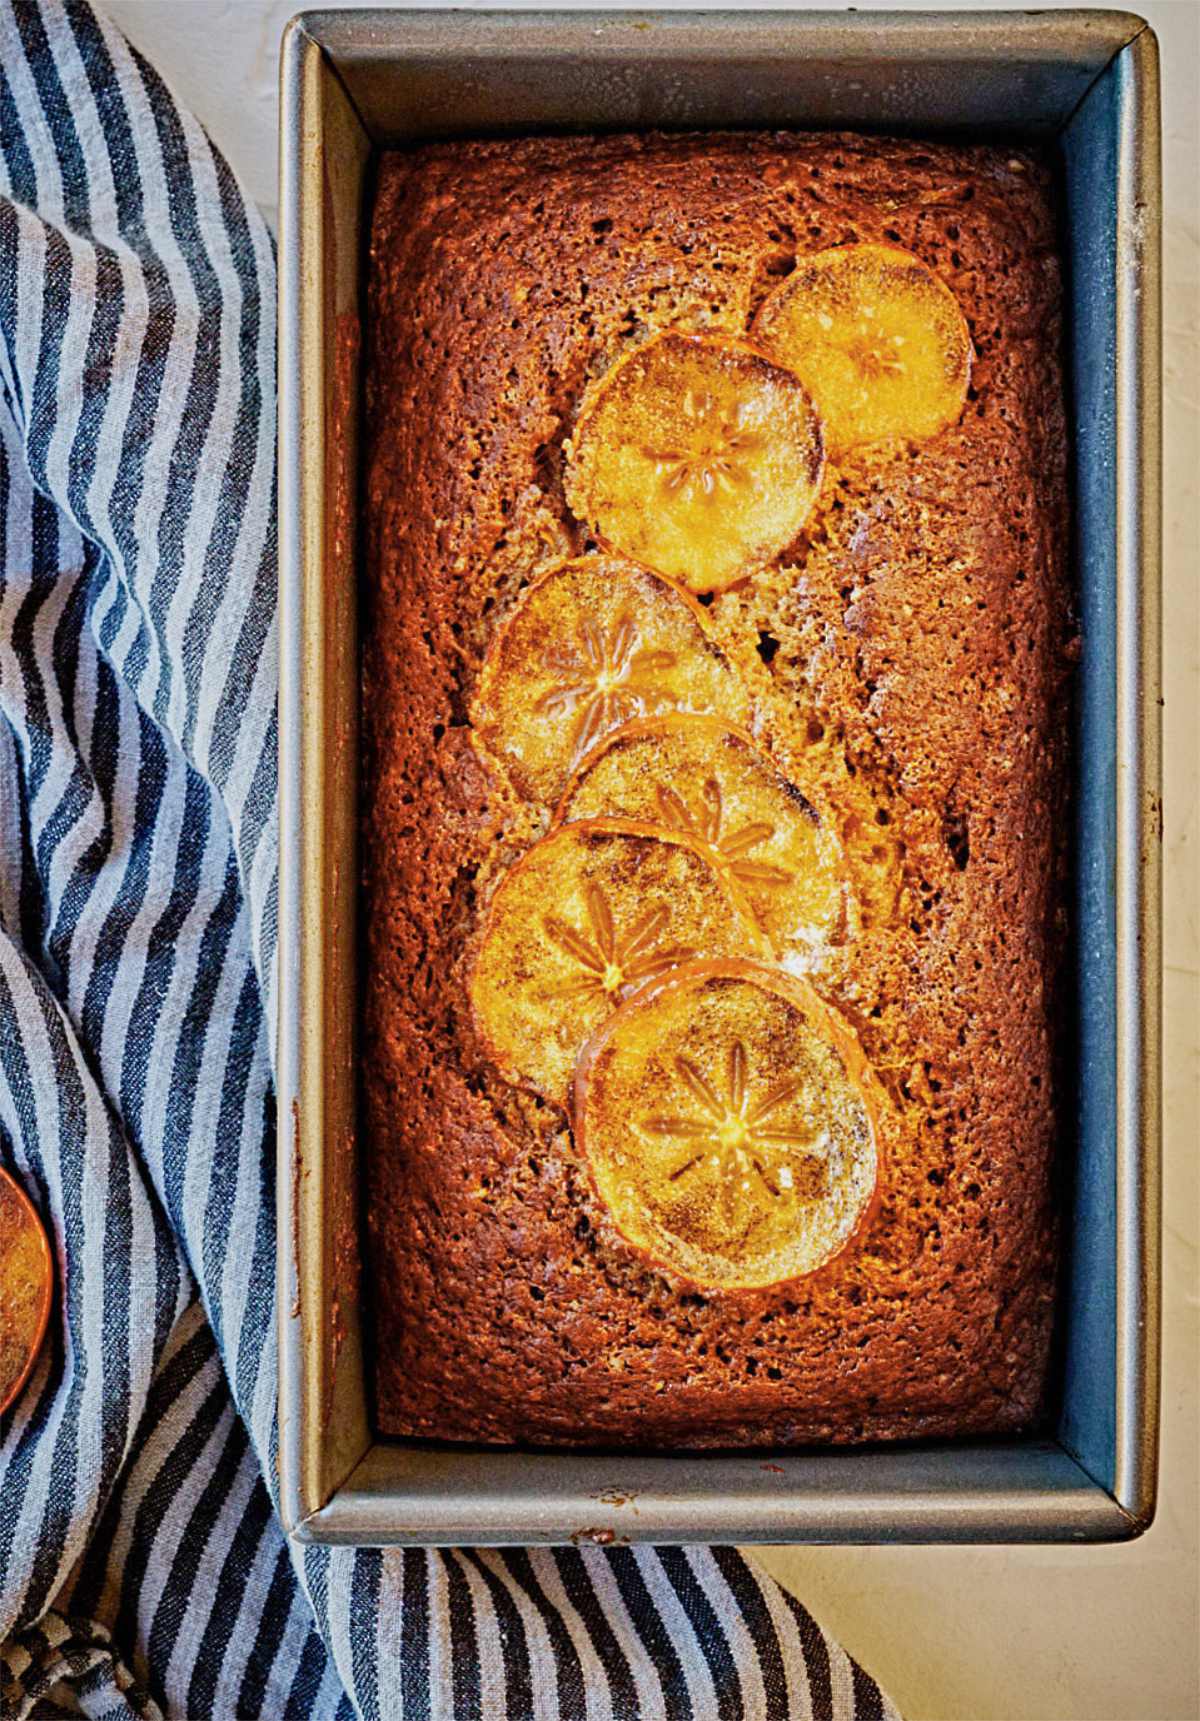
(716, 648)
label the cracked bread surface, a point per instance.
(909, 655)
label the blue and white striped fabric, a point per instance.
(142, 1570)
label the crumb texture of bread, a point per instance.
(911, 653)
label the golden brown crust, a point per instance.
(911, 659)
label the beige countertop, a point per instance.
(968, 1634)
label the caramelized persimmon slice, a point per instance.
(710, 779)
(26, 1285)
(588, 915)
(594, 643)
(699, 457)
(730, 1122)
(878, 339)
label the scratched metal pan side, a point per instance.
(437, 73)
(1111, 155)
(324, 161)
(357, 78)
(1139, 785)
(1020, 1491)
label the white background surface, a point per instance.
(982, 1634)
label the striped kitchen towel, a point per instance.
(142, 1568)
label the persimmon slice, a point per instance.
(697, 456)
(709, 779)
(877, 338)
(595, 642)
(730, 1122)
(26, 1285)
(589, 914)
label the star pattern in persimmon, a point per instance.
(610, 962)
(874, 352)
(706, 823)
(711, 456)
(603, 680)
(734, 1140)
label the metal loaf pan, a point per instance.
(357, 81)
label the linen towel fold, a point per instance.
(142, 1569)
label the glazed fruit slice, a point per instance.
(26, 1284)
(591, 913)
(709, 779)
(699, 457)
(877, 338)
(594, 643)
(730, 1122)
